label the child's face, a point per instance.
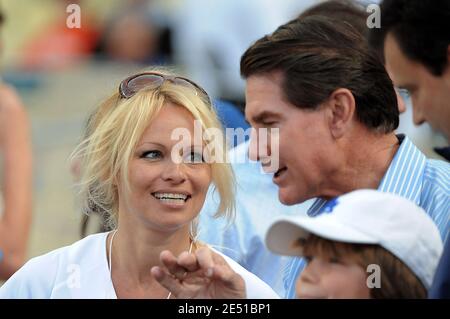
(328, 278)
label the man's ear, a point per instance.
(342, 108)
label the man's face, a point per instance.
(430, 95)
(300, 144)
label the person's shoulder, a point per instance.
(256, 288)
(76, 252)
(438, 173)
(34, 279)
(435, 194)
(39, 276)
(439, 167)
(80, 250)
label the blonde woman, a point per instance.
(151, 185)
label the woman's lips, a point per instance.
(172, 199)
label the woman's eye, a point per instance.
(194, 158)
(152, 155)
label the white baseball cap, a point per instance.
(367, 217)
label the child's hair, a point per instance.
(113, 132)
(397, 280)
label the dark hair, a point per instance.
(398, 281)
(318, 55)
(421, 28)
(344, 10)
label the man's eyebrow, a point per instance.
(263, 115)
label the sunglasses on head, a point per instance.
(136, 82)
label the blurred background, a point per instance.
(62, 73)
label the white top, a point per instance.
(81, 271)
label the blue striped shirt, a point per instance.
(424, 181)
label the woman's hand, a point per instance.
(200, 275)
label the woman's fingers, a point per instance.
(233, 283)
(205, 260)
(188, 262)
(167, 281)
(223, 271)
(190, 275)
(171, 263)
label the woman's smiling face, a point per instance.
(164, 193)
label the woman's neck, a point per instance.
(135, 250)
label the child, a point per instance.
(369, 245)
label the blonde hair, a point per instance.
(114, 130)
